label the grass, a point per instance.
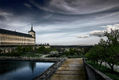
(113, 76)
(105, 70)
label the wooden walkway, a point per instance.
(72, 69)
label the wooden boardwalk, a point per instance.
(72, 69)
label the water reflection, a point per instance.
(21, 70)
(32, 65)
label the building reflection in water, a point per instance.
(32, 65)
(22, 70)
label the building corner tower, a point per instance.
(32, 33)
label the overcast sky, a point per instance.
(66, 22)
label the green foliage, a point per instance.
(0, 51)
(113, 37)
(43, 50)
(111, 54)
(107, 71)
(96, 53)
(19, 51)
(113, 76)
(71, 53)
(23, 49)
(106, 51)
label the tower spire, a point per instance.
(31, 27)
(32, 33)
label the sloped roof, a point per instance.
(3, 31)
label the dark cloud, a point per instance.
(51, 17)
(77, 6)
(2, 18)
(97, 33)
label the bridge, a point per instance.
(71, 69)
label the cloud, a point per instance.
(2, 18)
(28, 5)
(77, 6)
(65, 39)
(108, 28)
(111, 27)
(61, 21)
(4, 15)
(98, 33)
(83, 36)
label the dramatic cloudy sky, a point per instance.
(68, 22)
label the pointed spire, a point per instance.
(31, 27)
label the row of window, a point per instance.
(6, 39)
(6, 43)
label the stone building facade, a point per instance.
(8, 37)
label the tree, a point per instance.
(112, 37)
(112, 53)
(27, 48)
(106, 51)
(93, 53)
(112, 50)
(43, 50)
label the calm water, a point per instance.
(22, 70)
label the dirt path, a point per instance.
(72, 69)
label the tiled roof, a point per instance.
(3, 31)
